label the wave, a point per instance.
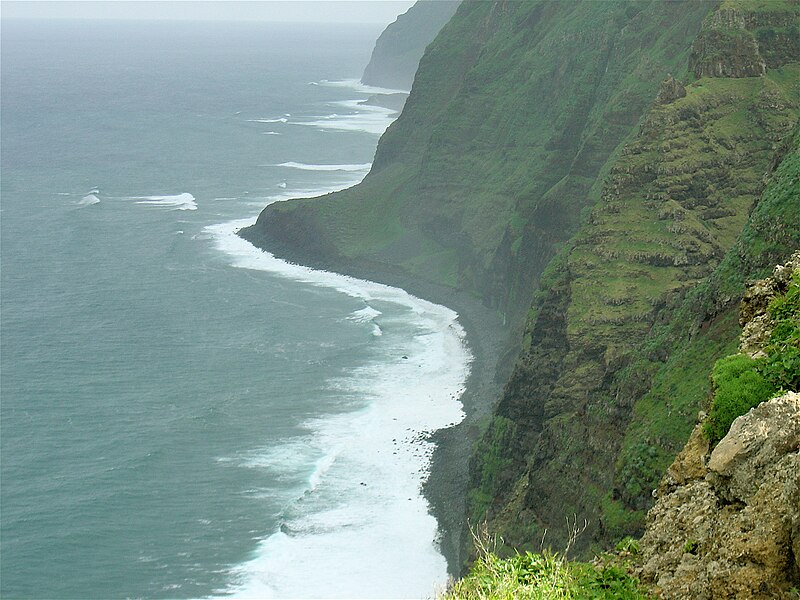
(356, 85)
(276, 120)
(89, 200)
(270, 133)
(364, 487)
(368, 315)
(307, 167)
(364, 117)
(184, 201)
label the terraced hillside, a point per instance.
(607, 387)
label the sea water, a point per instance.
(183, 415)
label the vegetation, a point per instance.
(741, 383)
(738, 387)
(547, 576)
(781, 367)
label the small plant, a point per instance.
(543, 576)
(628, 545)
(691, 547)
(782, 364)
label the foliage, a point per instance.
(739, 386)
(691, 547)
(742, 383)
(628, 544)
(543, 576)
(782, 364)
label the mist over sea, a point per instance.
(184, 416)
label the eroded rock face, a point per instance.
(756, 323)
(727, 523)
(671, 89)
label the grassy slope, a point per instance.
(515, 111)
(673, 206)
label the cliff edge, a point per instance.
(727, 520)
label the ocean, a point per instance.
(183, 415)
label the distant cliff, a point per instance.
(398, 49)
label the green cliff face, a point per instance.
(620, 342)
(515, 112)
(545, 152)
(398, 49)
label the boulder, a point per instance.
(727, 524)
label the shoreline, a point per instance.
(446, 486)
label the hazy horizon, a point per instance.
(279, 11)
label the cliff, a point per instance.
(604, 176)
(516, 111)
(398, 49)
(630, 316)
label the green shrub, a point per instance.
(739, 386)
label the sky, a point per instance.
(328, 11)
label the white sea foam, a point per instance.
(368, 315)
(362, 523)
(277, 120)
(270, 133)
(355, 84)
(366, 118)
(183, 201)
(307, 167)
(89, 200)
(282, 185)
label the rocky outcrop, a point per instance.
(727, 520)
(671, 89)
(727, 523)
(756, 323)
(743, 41)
